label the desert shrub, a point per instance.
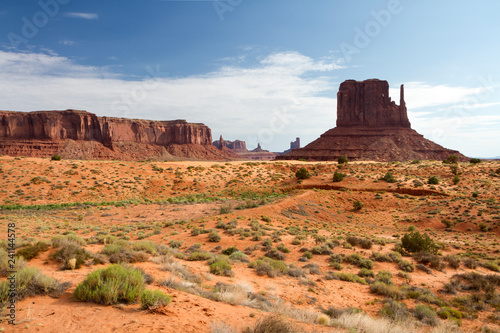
(5, 266)
(406, 266)
(282, 248)
(30, 251)
(295, 271)
(363, 272)
(475, 160)
(387, 290)
(56, 158)
(230, 250)
(433, 180)
(384, 277)
(302, 173)
(307, 255)
(453, 260)
(348, 277)
(221, 267)
(338, 177)
(153, 299)
(198, 231)
(394, 310)
(226, 209)
(321, 250)
(452, 159)
(274, 324)
(470, 263)
(456, 179)
(121, 252)
(357, 260)
(199, 256)
(493, 266)
(269, 267)
(56, 241)
(380, 257)
(415, 242)
(424, 268)
(238, 256)
(363, 242)
(357, 205)
(275, 254)
(146, 246)
(426, 315)
(343, 159)
(425, 258)
(111, 285)
(214, 237)
(389, 177)
(70, 255)
(31, 282)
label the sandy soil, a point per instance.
(163, 201)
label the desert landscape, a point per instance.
(234, 243)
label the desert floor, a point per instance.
(174, 219)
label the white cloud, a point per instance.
(283, 96)
(86, 16)
(68, 42)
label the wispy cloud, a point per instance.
(282, 96)
(86, 16)
(68, 42)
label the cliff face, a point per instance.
(370, 127)
(367, 103)
(44, 133)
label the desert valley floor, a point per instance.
(236, 242)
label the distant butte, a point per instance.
(83, 135)
(370, 126)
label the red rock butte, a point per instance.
(370, 126)
(83, 135)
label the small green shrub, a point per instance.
(406, 266)
(357, 260)
(387, 290)
(30, 251)
(456, 179)
(415, 242)
(56, 158)
(111, 285)
(389, 177)
(452, 159)
(343, 159)
(475, 161)
(338, 177)
(426, 315)
(348, 277)
(154, 299)
(357, 205)
(269, 267)
(214, 237)
(433, 180)
(221, 267)
(302, 173)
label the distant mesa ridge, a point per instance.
(370, 126)
(81, 134)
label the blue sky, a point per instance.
(257, 70)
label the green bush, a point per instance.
(452, 159)
(394, 310)
(363, 272)
(30, 251)
(343, 159)
(426, 315)
(433, 180)
(56, 158)
(269, 267)
(31, 282)
(387, 290)
(338, 177)
(475, 160)
(230, 250)
(221, 267)
(357, 205)
(111, 285)
(415, 242)
(406, 266)
(199, 256)
(389, 177)
(214, 237)
(357, 260)
(154, 299)
(348, 277)
(302, 173)
(70, 255)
